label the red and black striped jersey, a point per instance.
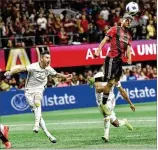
(119, 40)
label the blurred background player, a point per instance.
(4, 131)
(120, 41)
(110, 118)
(34, 87)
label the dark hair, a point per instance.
(45, 52)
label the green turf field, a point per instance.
(83, 128)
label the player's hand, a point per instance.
(8, 73)
(69, 76)
(129, 61)
(132, 107)
(96, 55)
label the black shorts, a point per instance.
(112, 68)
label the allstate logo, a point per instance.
(19, 103)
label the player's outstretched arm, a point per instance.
(103, 42)
(60, 75)
(125, 96)
(16, 69)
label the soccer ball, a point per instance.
(132, 8)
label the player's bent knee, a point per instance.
(37, 100)
(115, 123)
(37, 104)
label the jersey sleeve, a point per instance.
(111, 32)
(51, 71)
(30, 67)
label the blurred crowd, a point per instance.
(135, 72)
(30, 22)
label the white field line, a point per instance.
(135, 148)
(77, 122)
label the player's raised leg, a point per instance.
(44, 128)
(123, 122)
(118, 123)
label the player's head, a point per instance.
(126, 21)
(45, 58)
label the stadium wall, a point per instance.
(78, 55)
(14, 102)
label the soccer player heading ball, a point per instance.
(120, 41)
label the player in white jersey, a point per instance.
(34, 87)
(111, 117)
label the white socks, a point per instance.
(106, 128)
(39, 121)
(37, 112)
(121, 123)
(43, 126)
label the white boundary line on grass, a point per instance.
(77, 122)
(142, 148)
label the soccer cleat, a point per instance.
(105, 139)
(128, 125)
(52, 138)
(91, 82)
(7, 145)
(105, 109)
(36, 129)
